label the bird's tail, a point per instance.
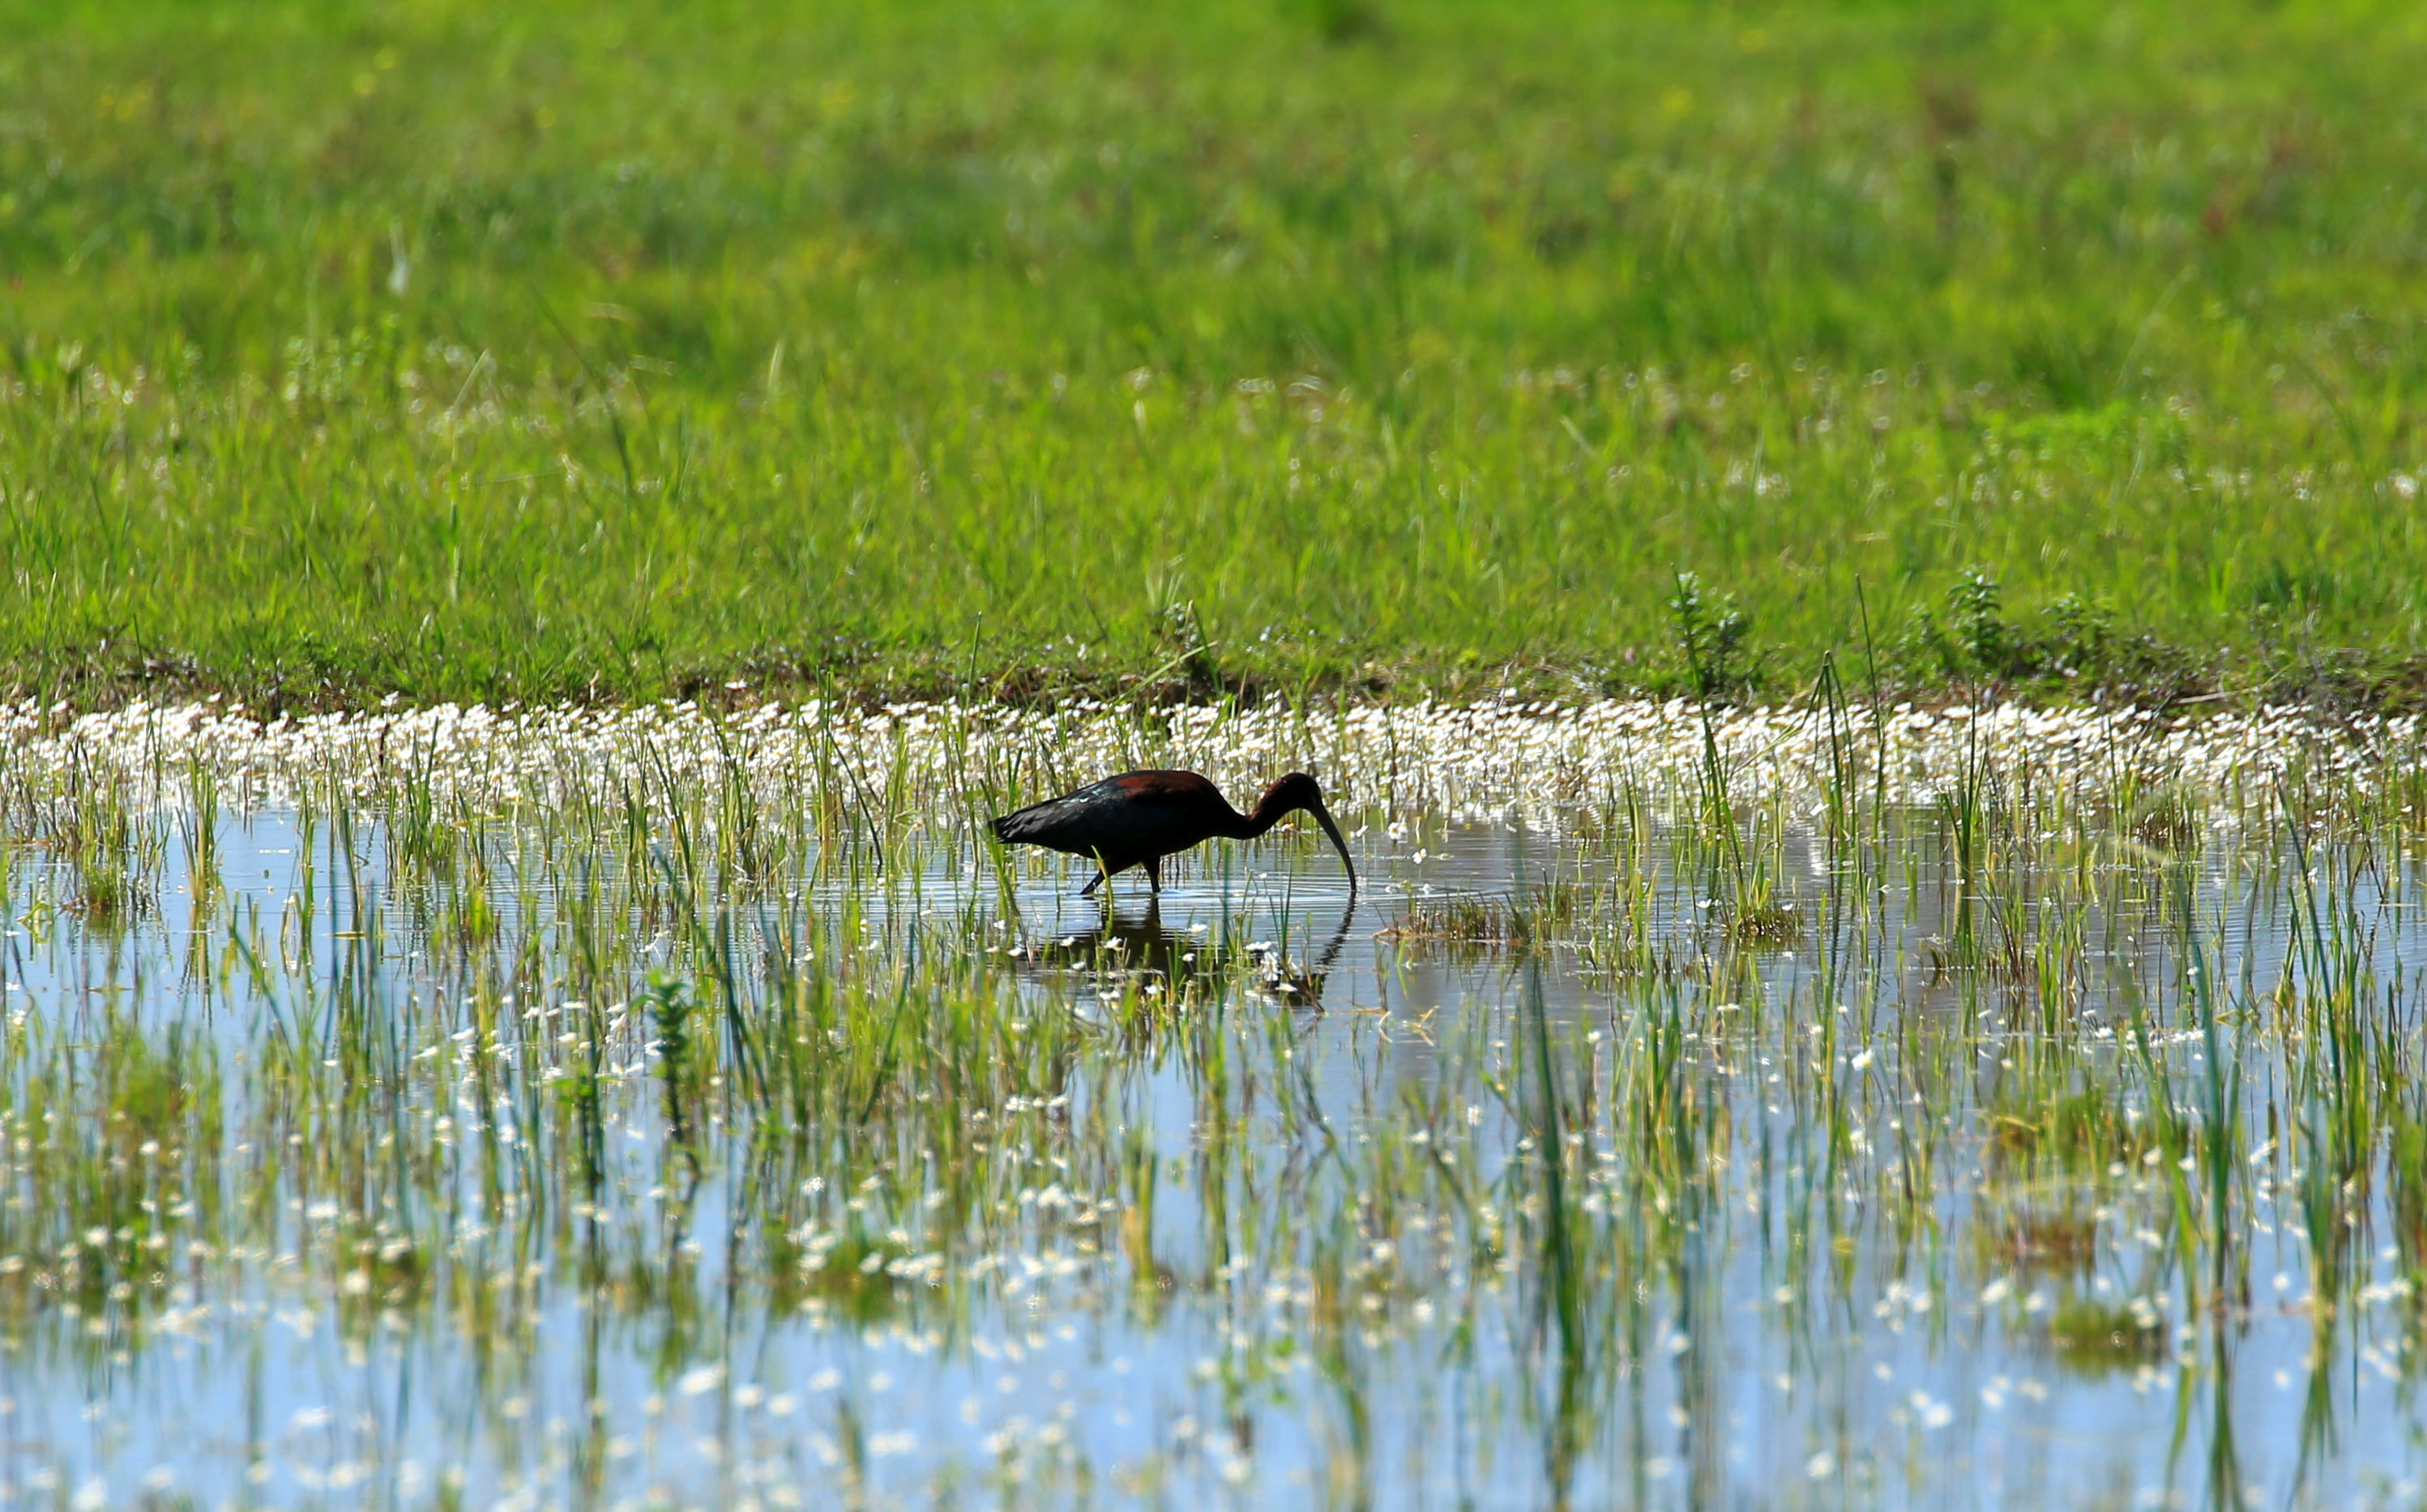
(1018, 823)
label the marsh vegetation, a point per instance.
(664, 1108)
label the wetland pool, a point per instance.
(425, 1111)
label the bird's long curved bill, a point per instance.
(1323, 817)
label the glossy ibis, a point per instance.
(1139, 818)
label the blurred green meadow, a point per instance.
(615, 350)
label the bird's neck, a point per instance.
(1251, 826)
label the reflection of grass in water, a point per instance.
(2059, 1241)
(841, 1276)
(2094, 1338)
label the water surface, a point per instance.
(1995, 1153)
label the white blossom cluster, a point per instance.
(937, 760)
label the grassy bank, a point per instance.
(597, 351)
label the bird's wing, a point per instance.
(1136, 814)
(1156, 788)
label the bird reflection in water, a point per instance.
(1189, 964)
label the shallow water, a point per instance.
(1927, 1156)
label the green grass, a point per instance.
(613, 350)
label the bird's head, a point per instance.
(1299, 790)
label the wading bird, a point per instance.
(1139, 818)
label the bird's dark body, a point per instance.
(1139, 818)
(1126, 821)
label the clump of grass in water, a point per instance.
(1529, 921)
(112, 874)
(200, 825)
(1764, 923)
(2165, 821)
(2079, 1129)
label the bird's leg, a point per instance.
(1154, 873)
(1091, 886)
